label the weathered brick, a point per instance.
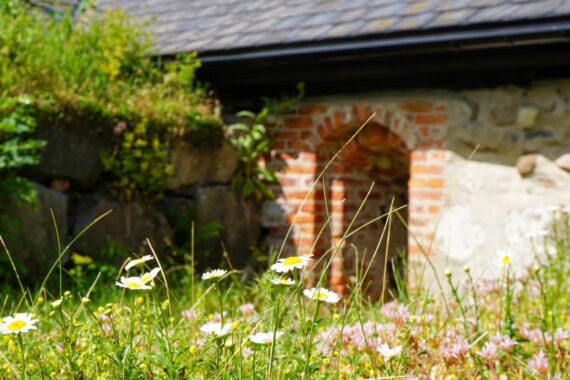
(417, 106)
(300, 169)
(416, 168)
(297, 194)
(418, 155)
(308, 156)
(430, 119)
(338, 119)
(361, 112)
(304, 135)
(425, 195)
(305, 218)
(426, 182)
(299, 122)
(338, 195)
(298, 145)
(312, 110)
(438, 154)
(434, 209)
(417, 250)
(286, 135)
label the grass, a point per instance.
(233, 326)
(152, 322)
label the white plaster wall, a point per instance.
(490, 209)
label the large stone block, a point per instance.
(73, 154)
(32, 239)
(239, 219)
(201, 166)
(129, 223)
(491, 209)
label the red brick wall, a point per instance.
(400, 151)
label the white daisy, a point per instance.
(134, 283)
(264, 337)
(505, 258)
(282, 281)
(149, 276)
(216, 328)
(388, 352)
(292, 262)
(320, 294)
(135, 262)
(214, 274)
(57, 303)
(20, 322)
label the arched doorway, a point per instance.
(370, 174)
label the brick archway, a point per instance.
(389, 151)
(368, 173)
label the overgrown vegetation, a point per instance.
(17, 149)
(152, 325)
(94, 73)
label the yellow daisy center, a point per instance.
(320, 296)
(133, 284)
(292, 260)
(506, 260)
(16, 325)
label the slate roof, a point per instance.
(223, 25)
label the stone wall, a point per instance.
(70, 181)
(450, 155)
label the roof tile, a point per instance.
(209, 25)
(452, 17)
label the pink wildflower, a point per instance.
(489, 352)
(560, 335)
(189, 314)
(247, 309)
(539, 363)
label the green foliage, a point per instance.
(96, 74)
(17, 149)
(139, 161)
(251, 140)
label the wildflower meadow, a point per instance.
(285, 324)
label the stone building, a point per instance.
(468, 114)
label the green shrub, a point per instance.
(17, 149)
(94, 72)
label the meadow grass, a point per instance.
(232, 325)
(154, 322)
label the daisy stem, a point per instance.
(221, 303)
(508, 319)
(275, 327)
(253, 364)
(475, 300)
(23, 374)
(310, 342)
(299, 305)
